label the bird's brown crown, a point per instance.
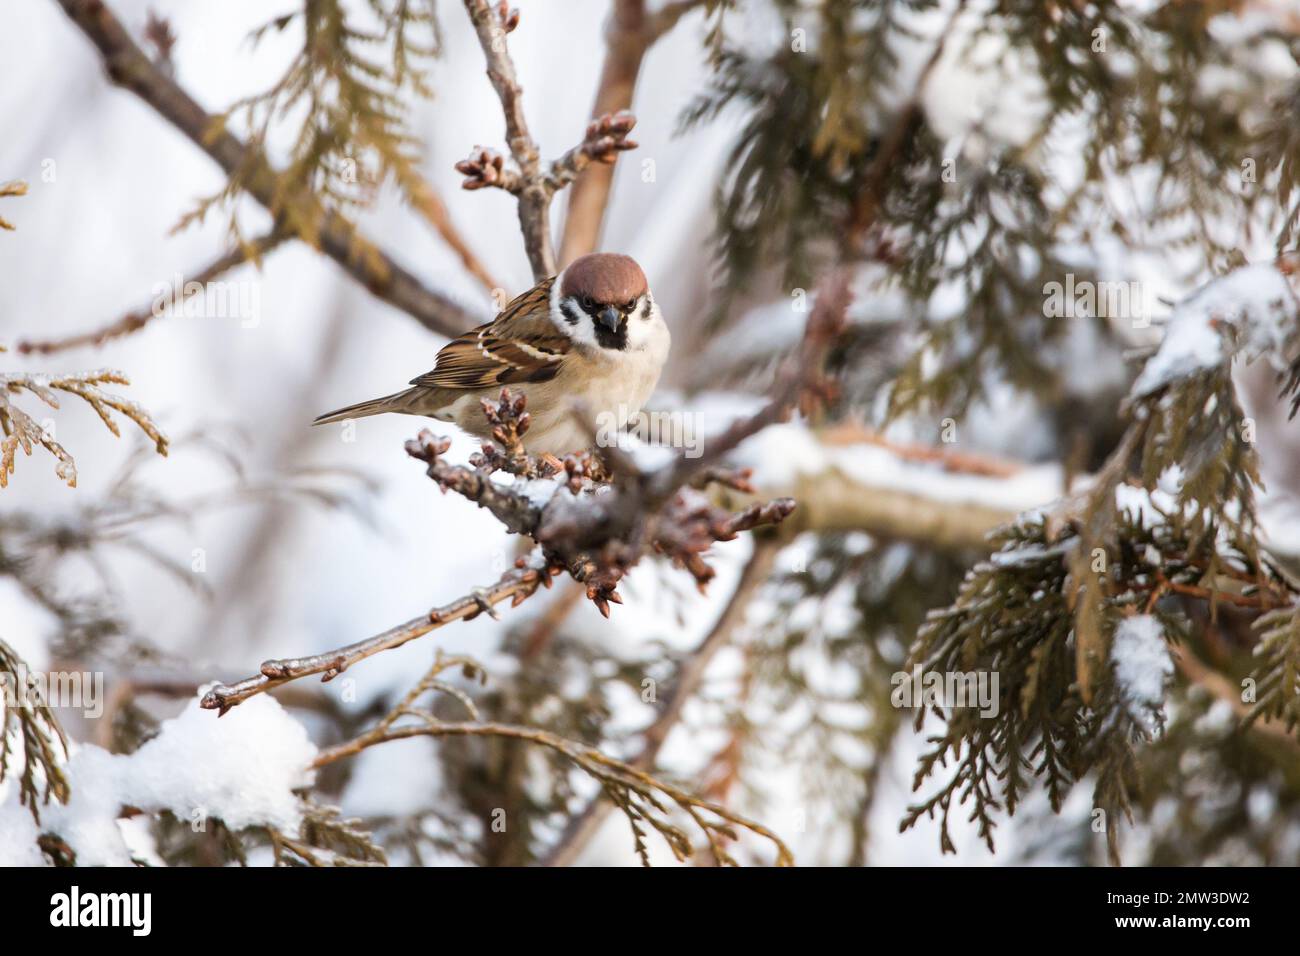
(604, 277)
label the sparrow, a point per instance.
(592, 335)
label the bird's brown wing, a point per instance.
(521, 344)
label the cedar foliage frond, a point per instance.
(13, 188)
(327, 838)
(22, 431)
(1041, 613)
(27, 717)
(350, 84)
(1276, 674)
(1115, 80)
(1012, 617)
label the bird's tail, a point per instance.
(397, 402)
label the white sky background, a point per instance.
(94, 242)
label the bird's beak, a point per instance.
(609, 318)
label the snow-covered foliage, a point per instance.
(1142, 666)
(241, 771)
(1248, 313)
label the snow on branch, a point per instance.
(1249, 312)
(1140, 656)
(606, 137)
(850, 479)
(247, 778)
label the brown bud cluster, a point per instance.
(606, 136)
(486, 167)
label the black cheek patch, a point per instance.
(571, 314)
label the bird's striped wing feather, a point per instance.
(521, 345)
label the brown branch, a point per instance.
(517, 584)
(630, 33)
(589, 164)
(605, 138)
(837, 499)
(486, 167)
(335, 235)
(598, 538)
(1260, 602)
(135, 320)
(586, 824)
(515, 511)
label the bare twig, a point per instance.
(336, 236)
(605, 138)
(137, 319)
(486, 167)
(631, 788)
(492, 23)
(631, 33)
(517, 585)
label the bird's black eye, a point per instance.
(587, 303)
(631, 304)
